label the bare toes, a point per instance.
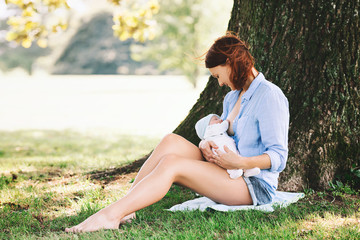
(72, 230)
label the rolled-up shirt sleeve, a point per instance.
(273, 117)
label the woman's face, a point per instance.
(222, 74)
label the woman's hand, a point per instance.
(228, 160)
(206, 149)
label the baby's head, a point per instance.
(215, 119)
(202, 124)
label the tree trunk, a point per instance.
(311, 50)
(210, 101)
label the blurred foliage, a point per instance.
(12, 57)
(136, 23)
(35, 20)
(185, 29)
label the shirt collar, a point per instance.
(253, 86)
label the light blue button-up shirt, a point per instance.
(261, 126)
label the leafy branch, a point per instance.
(36, 20)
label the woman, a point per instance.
(259, 117)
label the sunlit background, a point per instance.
(87, 79)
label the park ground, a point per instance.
(47, 183)
(50, 177)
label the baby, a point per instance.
(212, 128)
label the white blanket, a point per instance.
(281, 199)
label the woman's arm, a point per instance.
(273, 118)
(206, 149)
(231, 160)
(207, 146)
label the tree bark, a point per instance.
(210, 101)
(311, 50)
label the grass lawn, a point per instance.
(45, 186)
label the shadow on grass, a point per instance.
(318, 215)
(107, 175)
(304, 219)
(296, 221)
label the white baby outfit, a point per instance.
(217, 133)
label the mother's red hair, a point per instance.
(232, 51)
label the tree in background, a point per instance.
(311, 50)
(92, 49)
(185, 30)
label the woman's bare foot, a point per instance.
(128, 218)
(98, 221)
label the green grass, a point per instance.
(45, 187)
(33, 151)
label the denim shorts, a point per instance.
(259, 194)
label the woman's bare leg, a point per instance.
(203, 177)
(170, 144)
